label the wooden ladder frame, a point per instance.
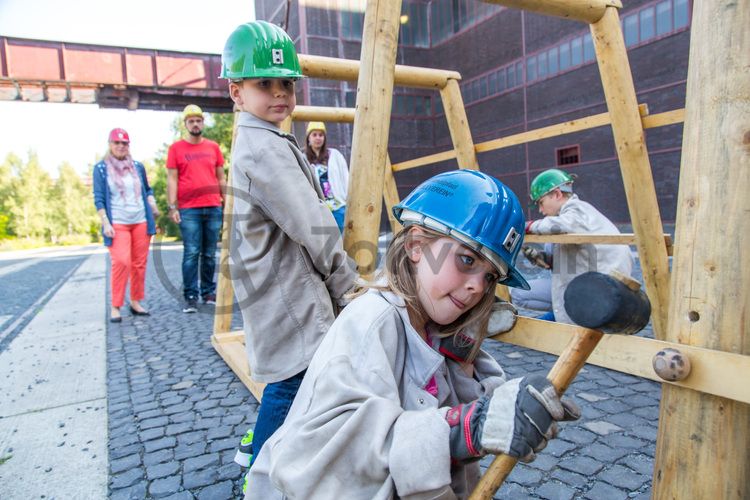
(721, 369)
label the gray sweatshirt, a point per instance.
(286, 259)
(363, 426)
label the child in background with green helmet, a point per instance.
(399, 401)
(287, 264)
(552, 192)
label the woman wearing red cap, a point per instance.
(126, 205)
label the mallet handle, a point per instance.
(561, 375)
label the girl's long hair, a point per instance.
(400, 278)
(321, 157)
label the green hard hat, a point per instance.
(549, 180)
(259, 50)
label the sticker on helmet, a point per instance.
(278, 56)
(511, 239)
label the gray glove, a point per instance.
(502, 318)
(518, 420)
(540, 259)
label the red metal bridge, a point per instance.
(113, 77)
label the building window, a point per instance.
(569, 155)
(664, 17)
(352, 19)
(647, 23)
(630, 29)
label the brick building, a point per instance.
(520, 71)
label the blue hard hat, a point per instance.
(475, 209)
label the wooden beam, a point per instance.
(664, 119)
(331, 68)
(458, 125)
(390, 196)
(371, 128)
(425, 160)
(630, 141)
(323, 114)
(235, 355)
(286, 125)
(587, 11)
(713, 372)
(703, 441)
(569, 127)
(581, 239)
(224, 289)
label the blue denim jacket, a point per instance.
(103, 197)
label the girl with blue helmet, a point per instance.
(399, 400)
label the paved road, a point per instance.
(29, 279)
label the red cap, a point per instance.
(119, 134)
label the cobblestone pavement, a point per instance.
(176, 413)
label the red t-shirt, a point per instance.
(197, 184)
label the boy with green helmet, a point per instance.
(287, 263)
(549, 180)
(552, 192)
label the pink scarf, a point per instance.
(117, 169)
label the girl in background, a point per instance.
(330, 165)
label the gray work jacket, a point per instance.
(286, 259)
(363, 426)
(569, 261)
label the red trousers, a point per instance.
(129, 253)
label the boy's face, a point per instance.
(552, 202)
(270, 99)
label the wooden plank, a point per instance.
(390, 196)
(323, 114)
(580, 239)
(371, 128)
(286, 125)
(234, 355)
(587, 11)
(713, 372)
(233, 336)
(703, 441)
(555, 130)
(425, 160)
(331, 68)
(569, 127)
(458, 125)
(664, 119)
(630, 141)
(224, 289)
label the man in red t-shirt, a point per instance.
(195, 187)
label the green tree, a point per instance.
(73, 211)
(11, 163)
(29, 205)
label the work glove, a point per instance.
(517, 419)
(536, 257)
(458, 347)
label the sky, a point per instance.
(77, 133)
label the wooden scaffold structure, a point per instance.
(703, 310)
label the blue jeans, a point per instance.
(548, 316)
(339, 214)
(277, 399)
(200, 232)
